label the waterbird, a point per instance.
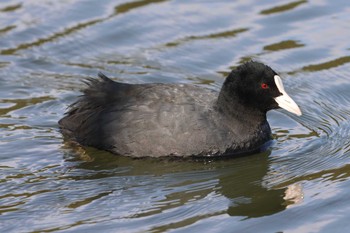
(183, 120)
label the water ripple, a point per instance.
(49, 47)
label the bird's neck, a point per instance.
(231, 107)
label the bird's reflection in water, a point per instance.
(240, 180)
(248, 195)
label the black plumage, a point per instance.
(175, 119)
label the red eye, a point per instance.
(264, 86)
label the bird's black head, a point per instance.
(258, 88)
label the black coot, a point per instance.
(178, 119)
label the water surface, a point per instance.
(47, 48)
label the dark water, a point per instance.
(48, 47)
